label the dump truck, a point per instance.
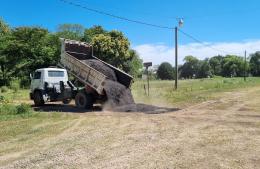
(52, 84)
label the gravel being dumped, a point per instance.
(117, 94)
(119, 97)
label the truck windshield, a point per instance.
(54, 73)
(37, 75)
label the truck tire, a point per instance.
(84, 100)
(38, 99)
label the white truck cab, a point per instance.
(47, 84)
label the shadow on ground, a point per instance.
(64, 108)
(134, 108)
(144, 108)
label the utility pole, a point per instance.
(176, 58)
(180, 22)
(147, 65)
(245, 67)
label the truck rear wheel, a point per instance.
(38, 99)
(84, 100)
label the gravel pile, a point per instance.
(117, 95)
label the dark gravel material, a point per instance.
(117, 95)
(101, 67)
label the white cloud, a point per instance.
(158, 53)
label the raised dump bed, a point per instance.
(73, 56)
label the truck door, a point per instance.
(36, 81)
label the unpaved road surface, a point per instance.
(222, 133)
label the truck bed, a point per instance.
(84, 73)
(72, 55)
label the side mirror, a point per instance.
(31, 77)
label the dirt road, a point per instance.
(222, 133)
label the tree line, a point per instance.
(226, 66)
(24, 49)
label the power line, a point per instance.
(202, 43)
(142, 23)
(86, 2)
(115, 16)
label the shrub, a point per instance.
(4, 89)
(15, 85)
(3, 100)
(7, 109)
(23, 109)
(10, 111)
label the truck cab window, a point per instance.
(37, 75)
(55, 73)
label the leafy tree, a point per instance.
(5, 64)
(255, 64)
(134, 65)
(233, 66)
(165, 71)
(4, 28)
(27, 49)
(93, 31)
(204, 69)
(70, 31)
(216, 64)
(112, 48)
(190, 68)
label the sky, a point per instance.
(223, 26)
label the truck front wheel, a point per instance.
(84, 100)
(38, 99)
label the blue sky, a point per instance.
(226, 24)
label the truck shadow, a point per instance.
(133, 108)
(64, 108)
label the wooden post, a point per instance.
(176, 58)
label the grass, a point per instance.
(21, 125)
(21, 95)
(107, 139)
(189, 91)
(17, 119)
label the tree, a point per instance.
(93, 31)
(190, 68)
(255, 64)
(112, 47)
(204, 69)
(216, 64)
(134, 65)
(27, 49)
(4, 28)
(233, 66)
(70, 31)
(165, 71)
(5, 64)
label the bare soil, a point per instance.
(221, 133)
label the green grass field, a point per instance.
(163, 92)
(189, 91)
